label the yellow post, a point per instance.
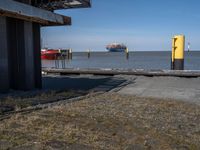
(178, 47)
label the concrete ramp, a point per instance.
(185, 89)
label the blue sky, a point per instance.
(143, 25)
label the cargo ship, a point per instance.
(116, 47)
(50, 54)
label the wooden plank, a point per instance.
(136, 72)
(10, 8)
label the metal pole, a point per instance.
(178, 47)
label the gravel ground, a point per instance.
(107, 121)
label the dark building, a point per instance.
(20, 22)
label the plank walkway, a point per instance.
(112, 72)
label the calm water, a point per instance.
(137, 60)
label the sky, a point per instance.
(142, 25)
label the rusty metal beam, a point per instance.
(10, 8)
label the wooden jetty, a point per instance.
(112, 72)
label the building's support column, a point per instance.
(22, 70)
(13, 52)
(29, 56)
(4, 70)
(37, 55)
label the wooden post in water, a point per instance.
(56, 61)
(62, 58)
(67, 54)
(127, 53)
(88, 53)
(70, 54)
(188, 46)
(63, 63)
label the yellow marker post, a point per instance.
(178, 47)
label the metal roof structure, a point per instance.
(62, 4)
(23, 11)
(41, 11)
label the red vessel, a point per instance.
(50, 54)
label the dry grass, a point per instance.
(14, 103)
(108, 121)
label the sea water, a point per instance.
(137, 60)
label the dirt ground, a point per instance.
(107, 121)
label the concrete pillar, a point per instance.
(37, 55)
(25, 71)
(29, 75)
(14, 67)
(4, 72)
(24, 48)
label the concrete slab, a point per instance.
(185, 89)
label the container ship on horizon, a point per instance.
(116, 47)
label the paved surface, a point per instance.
(83, 83)
(186, 89)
